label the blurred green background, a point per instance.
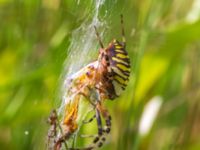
(163, 41)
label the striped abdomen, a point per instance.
(118, 67)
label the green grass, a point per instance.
(163, 45)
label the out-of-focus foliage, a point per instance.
(163, 41)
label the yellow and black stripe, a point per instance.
(120, 66)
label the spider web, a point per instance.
(82, 49)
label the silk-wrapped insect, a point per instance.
(100, 80)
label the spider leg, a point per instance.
(90, 120)
(99, 122)
(97, 138)
(98, 37)
(107, 118)
(108, 124)
(100, 138)
(123, 33)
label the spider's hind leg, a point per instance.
(102, 132)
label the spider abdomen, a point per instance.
(115, 68)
